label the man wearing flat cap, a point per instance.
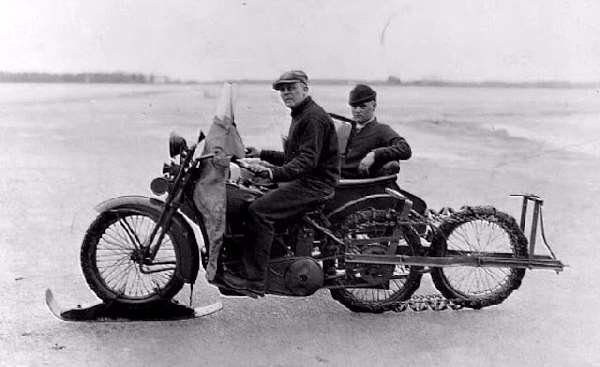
(307, 171)
(372, 144)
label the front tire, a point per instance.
(471, 231)
(111, 263)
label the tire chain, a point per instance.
(429, 302)
(433, 302)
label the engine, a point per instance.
(303, 277)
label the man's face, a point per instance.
(293, 93)
(363, 112)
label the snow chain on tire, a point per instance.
(432, 302)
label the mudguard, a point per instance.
(377, 201)
(185, 245)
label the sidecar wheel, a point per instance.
(112, 266)
(405, 279)
(475, 229)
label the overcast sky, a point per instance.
(210, 40)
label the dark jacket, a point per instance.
(311, 148)
(379, 138)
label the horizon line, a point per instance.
(8, 76)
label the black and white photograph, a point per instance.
(299, 183)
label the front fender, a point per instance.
(185, 241)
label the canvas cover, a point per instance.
(224, 141)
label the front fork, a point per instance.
(161, 228)
(172, 204)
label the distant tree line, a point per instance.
(392, 80)
(114, 77)
(395, 81)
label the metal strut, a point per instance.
(537, 217)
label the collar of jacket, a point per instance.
(296, 110)
(370, 122)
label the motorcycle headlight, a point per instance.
(159, 186)
(177, 144)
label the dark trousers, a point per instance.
(290, 199)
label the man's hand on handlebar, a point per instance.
(261, 171)
(255, 166)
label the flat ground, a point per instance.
(63, 154)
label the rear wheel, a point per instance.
(113, 263)
(477, 231)
(377, 288)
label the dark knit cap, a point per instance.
(293, 76)
(360, 94)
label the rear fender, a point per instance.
(185, 244)
(378, 201)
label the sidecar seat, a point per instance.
(354, 189)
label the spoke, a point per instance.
(500, 234)
(461, 234)
(114, 273)
(130, 232)
(119, 243)
(121, 283)
(117, 235)
(111, 260)
(117, 263)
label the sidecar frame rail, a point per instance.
(480, 259)
(492, 260)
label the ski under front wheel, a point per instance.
(377, 288)
(478, 231)
(114, 264)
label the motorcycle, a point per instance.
(369, 244)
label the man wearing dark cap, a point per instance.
(307, 171)
(371, 144)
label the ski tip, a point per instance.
(52, 305)
(208, 310)
(49, 296)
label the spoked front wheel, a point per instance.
(478, 231)
(116, 265)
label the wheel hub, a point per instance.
(139, 257)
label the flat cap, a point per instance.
(360, 94)
(292, 76)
